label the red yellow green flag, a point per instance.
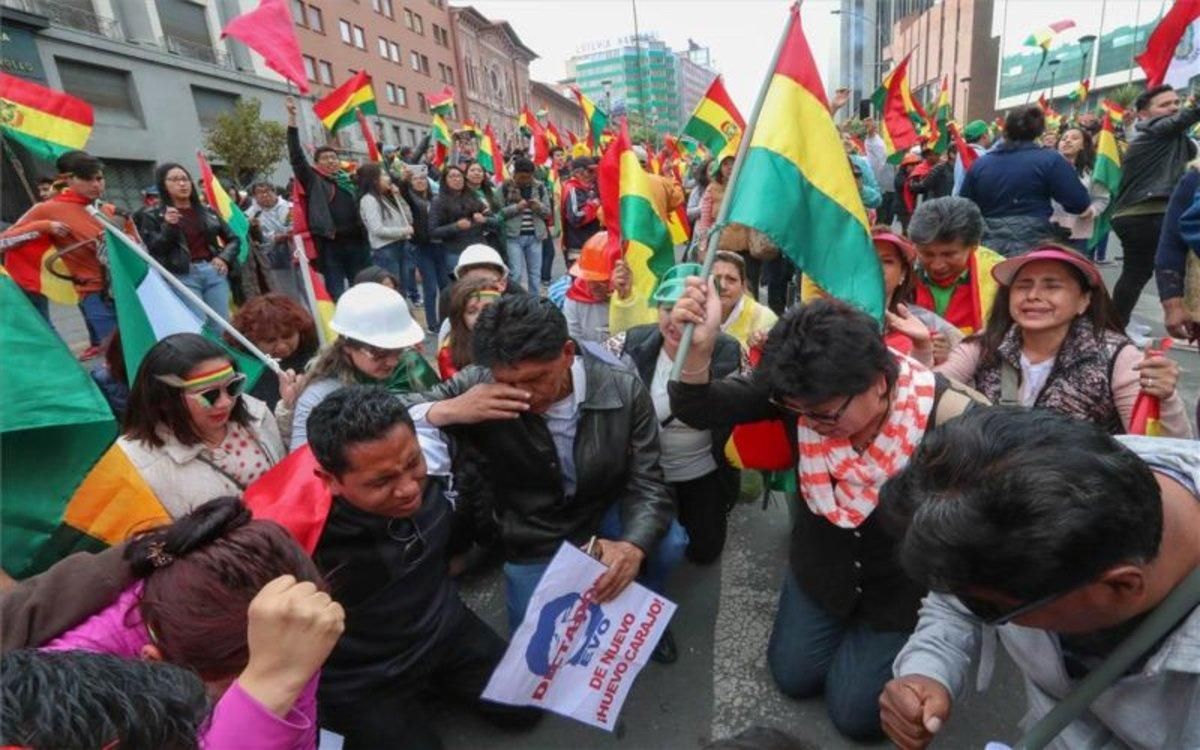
(373, 154)
(795, 154)
(220, 202)
(1146, 417)
(490, 156)
(1081, 91)
(594, 118)
(440, 135)
(441, 102)
(716, 120)
(940, 134)
(1106, 172)
(337, 109)
(45, 122)
(899, 111)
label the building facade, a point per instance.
(156, 73)
(560, 107)
(407, 48)
(694, 74)
(953, 38)
(494, 66)
(634, 76)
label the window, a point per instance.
(345, 29)
(316, 20)
(310, 67)
(360, 39)
(394, 52)
(397, 134)
(402, 96)
(424, 107)
(109, 90)
(383, 48)
(185, 22)
(391, 94)
(376, 6)
(408, 19)
(418, 24)
(424, 64)
(298, 13)
(415, 59)
(211, 104)
(450, 75)
(387, 8)
(326, 71)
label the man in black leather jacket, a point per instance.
(568, 444)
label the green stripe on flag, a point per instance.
(127, 271)
(705, 133)
(37, 147)
(820, 236)
(641, 223)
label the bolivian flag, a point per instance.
(899, 112)
(337, 109)
(46, 122)
(1146, 417)
(220, 202)
(490, 156)
(66, 486)
(594, 118)
(796, 186)
(439, 134)
(716, 121)
(1106, 172)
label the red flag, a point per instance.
(300, 220)
(372, 147)
(966, 154)
(574, 138)
(1147, 410)
(537, 138)
(1160, 47)
(268, 31)
(608, 181)
(1043, 102)
(292, 495)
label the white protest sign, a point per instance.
(573, 656)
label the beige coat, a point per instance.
(180, 480)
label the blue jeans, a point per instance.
(434, 278)
(209, 286)
(525, 261)
(396, 259)
(520, 579)
(100, 316)
(811, 652)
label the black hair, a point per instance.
(519, 328)
(1024, 123)
(556, 149)
(322, 149)
(153, 403)
(1086, 159)
(352, 415)
(1143, 99)
(700, 173)
(80, 699)
(200, 527)
(946, 219)
(45, 181)
(376, 274)
(368, 184)
(81, 164)
(1023, 502)
(824, 349)
(522, 165)
(262, 184)
(160, 181)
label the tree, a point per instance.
(249, 145)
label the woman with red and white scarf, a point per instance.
(848, 414)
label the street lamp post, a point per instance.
(1087, 42)
(859, 91)
(1053, 65)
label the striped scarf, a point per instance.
(842, 484)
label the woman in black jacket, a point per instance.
(190, 239)
(457, 217)
(431, 261)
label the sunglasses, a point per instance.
(208, 397)
(375, 354)
(995, 614)
(814, 416)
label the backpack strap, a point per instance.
(952, 399)
(1010, 384)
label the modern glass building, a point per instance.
(635, 76)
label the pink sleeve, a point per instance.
(117, 629)
(961, 364)
(1126, 385)
(239, 721)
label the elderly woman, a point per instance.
(1053, 342)
(1016, 181)
(849, 413)
(190, 431)
(376, 345)
(704, 484)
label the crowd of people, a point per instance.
(962, 472)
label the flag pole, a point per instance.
(188, 295)
(714, 237)
(309, 292)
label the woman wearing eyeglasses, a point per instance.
(849, 414)
(190, 430)
(377, 344)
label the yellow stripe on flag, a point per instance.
(716, 116)
(56, 288)
(113, 502)
(635, 181)
(48, 127)
(816, 151)
(357, 99)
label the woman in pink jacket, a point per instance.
(238, 602)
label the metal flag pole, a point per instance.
(309, 292)
(714, 237)
(181, 289)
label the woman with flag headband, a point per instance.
(1053, 342)
(190, 239)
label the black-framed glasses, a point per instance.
(209, 397)
(815, 416)
(995, 614)
(408, 534)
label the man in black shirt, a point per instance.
(383, 551)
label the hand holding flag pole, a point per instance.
(714, 237)
(181, 289)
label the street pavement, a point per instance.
(721, 684)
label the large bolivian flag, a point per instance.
(796, 185)
(46, 122)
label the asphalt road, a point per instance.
(720, 684)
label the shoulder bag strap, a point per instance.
(1010, 385)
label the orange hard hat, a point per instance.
(593, 263)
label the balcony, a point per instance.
(194, 51)
(71, 16)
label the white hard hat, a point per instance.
(479, 255)
(640, 152)
(376, 315)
